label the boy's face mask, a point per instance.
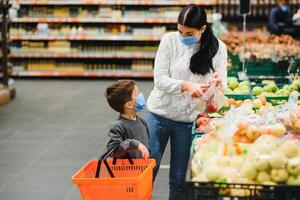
(140, 100)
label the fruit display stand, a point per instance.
(275, 93)
(265, 167)
(238, 90)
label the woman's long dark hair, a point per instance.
(194, 16)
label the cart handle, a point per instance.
(104, 157)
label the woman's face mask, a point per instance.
(188, 40)
(190, 36)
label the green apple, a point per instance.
(268, 88)
(212, 172)
(296, 83)
(263, 176)
(277, 159)
(283, 92)
(293, 180)
(261, 163)
(232, 83)
(248, 171)
(293, 166)
(290, 148)
(257, 103)
(265, 144)
(279, 175)
(274, 87)
(228, 91)
(257, 90)
(294, 87)
(286, 87)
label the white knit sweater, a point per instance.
(171, 69)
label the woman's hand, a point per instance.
(195, 90)
(216, 78)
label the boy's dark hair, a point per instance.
(120, 93)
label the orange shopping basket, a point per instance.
(122, 179)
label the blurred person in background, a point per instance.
(278, 17)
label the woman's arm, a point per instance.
(220, 65)
(162, 79)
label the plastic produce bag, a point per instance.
(213, 99)
(289, 113)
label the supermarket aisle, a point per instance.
(49, 131)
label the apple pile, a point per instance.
(270, 89)
(248, 133)
(267, 161)
(236, 87)
(202, 122)
(271, 162)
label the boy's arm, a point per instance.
(116, 140)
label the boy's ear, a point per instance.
(129, 104)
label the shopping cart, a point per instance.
(117, 179)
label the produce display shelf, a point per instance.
(196, 190)
(104, 74)
(114, 2)
(196, 133)
(115, 55)
(85, 37)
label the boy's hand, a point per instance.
(144, 151)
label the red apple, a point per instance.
(203, 114)
(201, 128)
(202, 121)
(211, 107)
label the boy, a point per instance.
(129, 134)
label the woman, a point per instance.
(186, 62)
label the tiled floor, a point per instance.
(49, 131)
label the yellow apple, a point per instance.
(277, 159)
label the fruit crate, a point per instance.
(278, 80)
(236, 191)
(235, 60)
(194, 132)
(239, 97)
(275, 100)
(262, 67)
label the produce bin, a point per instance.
(239, 97)
(236, 191)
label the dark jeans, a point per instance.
(161, 129)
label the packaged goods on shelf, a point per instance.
(51, 65)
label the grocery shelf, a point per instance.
(93, 20)
(120, 55)
(100, 74)
(86, 37)
(116, 2)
